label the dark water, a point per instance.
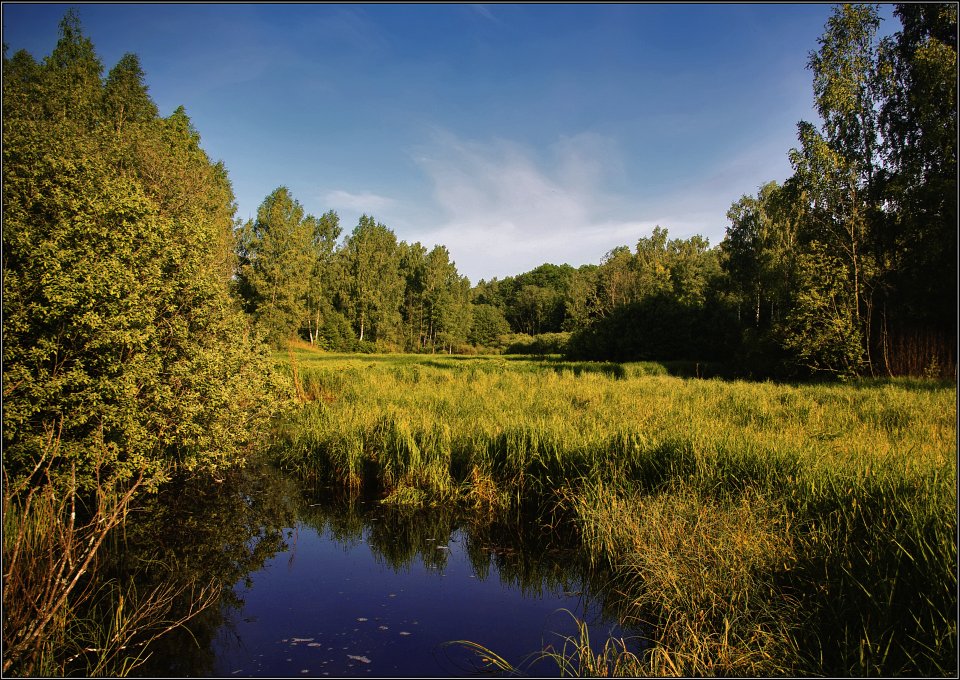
(324, 585)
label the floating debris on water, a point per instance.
(404, 632)
(304, 670)
(295, 640)
(362, 618)
(361, 659)
(392, 595)
(314, 644)
(382, 627)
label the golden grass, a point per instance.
(757, 528)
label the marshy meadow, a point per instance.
(751, 528)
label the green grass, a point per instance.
(757, 528)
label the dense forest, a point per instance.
(847, 268)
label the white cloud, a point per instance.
(507, 211)
(505, 208)
(364, 201)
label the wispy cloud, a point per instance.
(364, 201)
(507, 209)
(484, 11)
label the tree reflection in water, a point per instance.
(192, 532)
(220, 534)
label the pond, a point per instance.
(328, 585)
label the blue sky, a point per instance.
(512, 134)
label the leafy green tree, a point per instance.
(616, 281)
(372, 283)
(918, 120)
(125, 95)
(579, 297)
(493, 292)
(659, 302)
(758, 248)
(847, 88)
(322, 279)
(278, 258)
(72, 85)
(413, 269)
(123, 351)
(870, 191)
(822, 332)
(532, 309)
(653, 264)
(839, 169)
(488, 324)
(446, 297)
(693, 267)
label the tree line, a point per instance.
(847, 268)
(368, 292)
(850, 266)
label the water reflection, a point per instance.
(322, 583)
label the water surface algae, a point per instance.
(752, 528)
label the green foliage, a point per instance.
(865, 222)
(120, 337)
(821, 332)
(542, 344)
(488, 325)
(125, 95)
(547, 299)
(279, 253)
(919, 124)
(372, 285)
(659, 303)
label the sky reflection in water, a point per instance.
(380, 600)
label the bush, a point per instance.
(544, 343)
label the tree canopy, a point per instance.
(123, 349)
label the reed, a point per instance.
(61, 615)
(738, 516)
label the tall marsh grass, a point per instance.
(757, 528)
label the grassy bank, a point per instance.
(757, 528)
